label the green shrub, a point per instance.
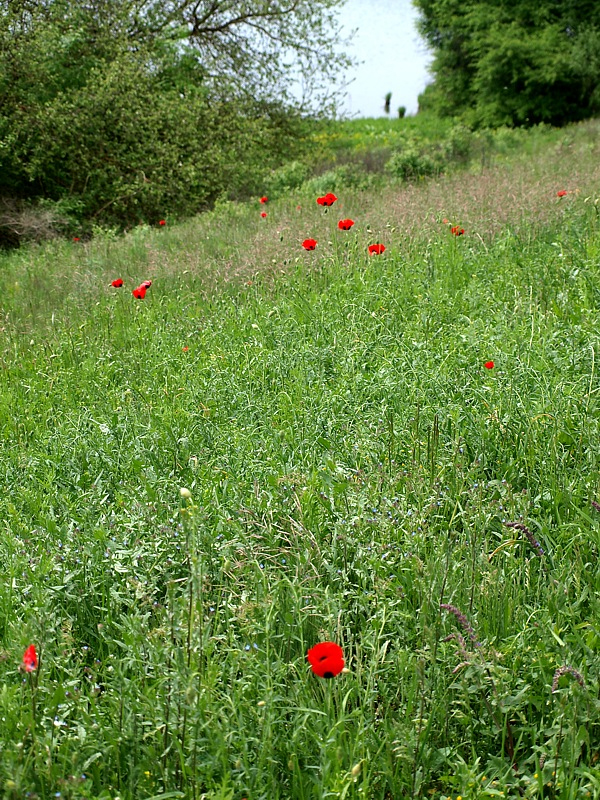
(459, 144)
(287, 177)
(344, 176)
(409, 163)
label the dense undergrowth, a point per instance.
(352, 466)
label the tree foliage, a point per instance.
(513, 61)
(124, 110)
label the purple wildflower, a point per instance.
(462, 621)
(595, 505)
(563, 671)
(531, 538)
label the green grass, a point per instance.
(351, 464)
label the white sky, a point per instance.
(393, 55)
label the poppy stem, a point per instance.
(33, 705)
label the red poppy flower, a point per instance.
(263, 214)
(457, 230)
(139, 292)
(327, 199)
(76, 239)
(146, 284)
(309, 244)
(185, 349)
(376, 249)
(117, 283)
(264, 200)
(326, 659)
(445, 221)
(562, 193)
(162, 222)
(30, 659)
(345, 224)
(489, 365)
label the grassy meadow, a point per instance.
(351, 467)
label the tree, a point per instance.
(121, 110)
(513, 61)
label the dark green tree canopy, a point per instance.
(513, 62)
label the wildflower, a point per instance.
(489, 365)
(531, 538)
(146, 284)
(30, 659)
(327, 199)
(185, 349)
(76, 239)
(162, 222)
(376, 249)
(445, 221)
(562, 193)
(345, 224)
(117, 283)
(309, 244)
(326, 659)
(264, 200)
(595, 505)
(462, 645)
(462, 621)
(185, 493)
(564, 671)
(457, 230)
(139, 292)
(263, 214)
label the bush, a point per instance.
(408, 164)
(128, 152)
(459, 144)
(289, 176)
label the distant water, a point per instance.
(394, 57)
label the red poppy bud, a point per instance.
(345, 224)
(489, 365)
(30, 659)
(117, 283)
(326, 659)
(309, 244)
(376, 249)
